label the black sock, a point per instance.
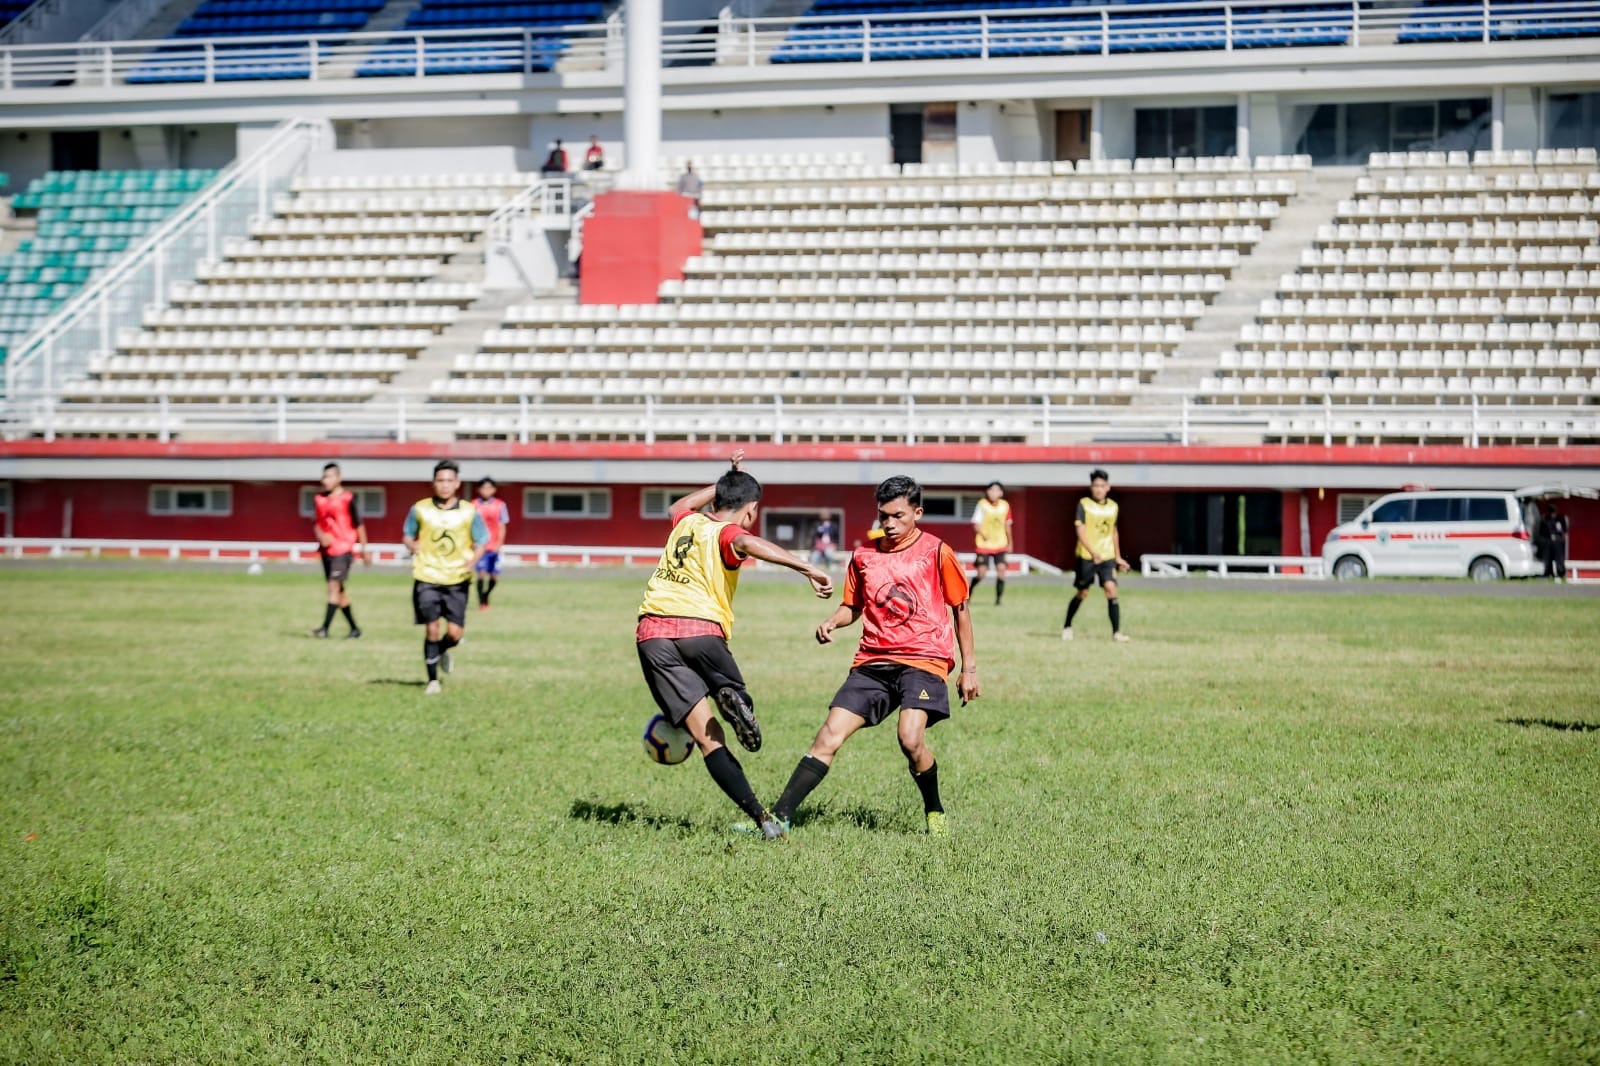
(928, 784)
(807, 776)
(729, 776)
(483, 590)
(1114, 609)
(1072, 609)
(493, 581)
(973, 583)
(349, 616)
(999, 588)
(328, 613)
(430, 658)
(447, 642)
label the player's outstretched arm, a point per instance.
(768, 552)
(697, 499)
(843, 616)
(967, 684)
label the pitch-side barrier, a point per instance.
(380, 554)
(1290, 566)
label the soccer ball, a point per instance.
(665, 743)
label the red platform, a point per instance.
(632, 243)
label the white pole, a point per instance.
(1097, 139)
(641, 94)
(1242, 118)
(1497, 119)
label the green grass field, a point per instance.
(1276, 827)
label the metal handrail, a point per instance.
(1169, 416)
(1256, 566)
(1099, 29)
(302, 135)
(548, 198)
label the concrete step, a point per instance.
(464, 335)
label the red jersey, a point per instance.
(905, 596)
(337, 517)
(495, 516)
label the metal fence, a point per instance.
(1162, 416)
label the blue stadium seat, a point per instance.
(256, 62)
(493, 55)
(1451, 20)
(951, 30)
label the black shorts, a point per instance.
(996, 559)
(337, 567)
(431, 602)
(1090, 571)
(682, 671)
(877, 690)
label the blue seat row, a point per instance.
(239, 25)
(514, 15)
(463, 55)
(1507, 21)
(282, 7)
(962, 36)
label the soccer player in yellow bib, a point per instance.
(446, 538)
(686, 620)
(1099, 553)
(991, 529)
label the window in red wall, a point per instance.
(654, 503)
(370, 502)
(191, 499)
(566, 503)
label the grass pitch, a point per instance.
(1276, 827)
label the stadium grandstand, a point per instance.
(1265, 259)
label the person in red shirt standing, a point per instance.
(497, 518)
(340, 533)
(901, 585)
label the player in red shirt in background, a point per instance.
(339, 532)
(497, 517)
(901, 583)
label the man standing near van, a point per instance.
(1554, 530)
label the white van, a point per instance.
(1486, 536)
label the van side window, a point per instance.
(1393, 511)
(1437, 509)
(1486, 509)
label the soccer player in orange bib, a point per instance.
(340, 533)
(686, 620)
(909, 589)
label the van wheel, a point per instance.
(1349, 568)
(1484, 568)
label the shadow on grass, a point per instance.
(1551, 723)
(623, 813)
(401, 681)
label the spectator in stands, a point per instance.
(595, 157)
(1554, 533)
(690, 185)
(822, 541)
(556, 161)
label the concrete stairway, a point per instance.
(465, 334)
(1258, 275)
(166, 20)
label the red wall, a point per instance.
(268, 511)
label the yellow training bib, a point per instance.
(444, 543)
(691, 580)
(1099, 528)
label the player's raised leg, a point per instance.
(814, 764)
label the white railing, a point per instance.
(1289, 566)
(119, 295)
(380, 554)
(1164, 416)
(995, 32)
(546, 203)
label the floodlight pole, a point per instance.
(641, 94)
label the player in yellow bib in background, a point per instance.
(686, 619)
(991, 529)
(1099, 553)
(446, 538)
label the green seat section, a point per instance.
(86, 218)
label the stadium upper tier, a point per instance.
(85, 219)
(1441, 278)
